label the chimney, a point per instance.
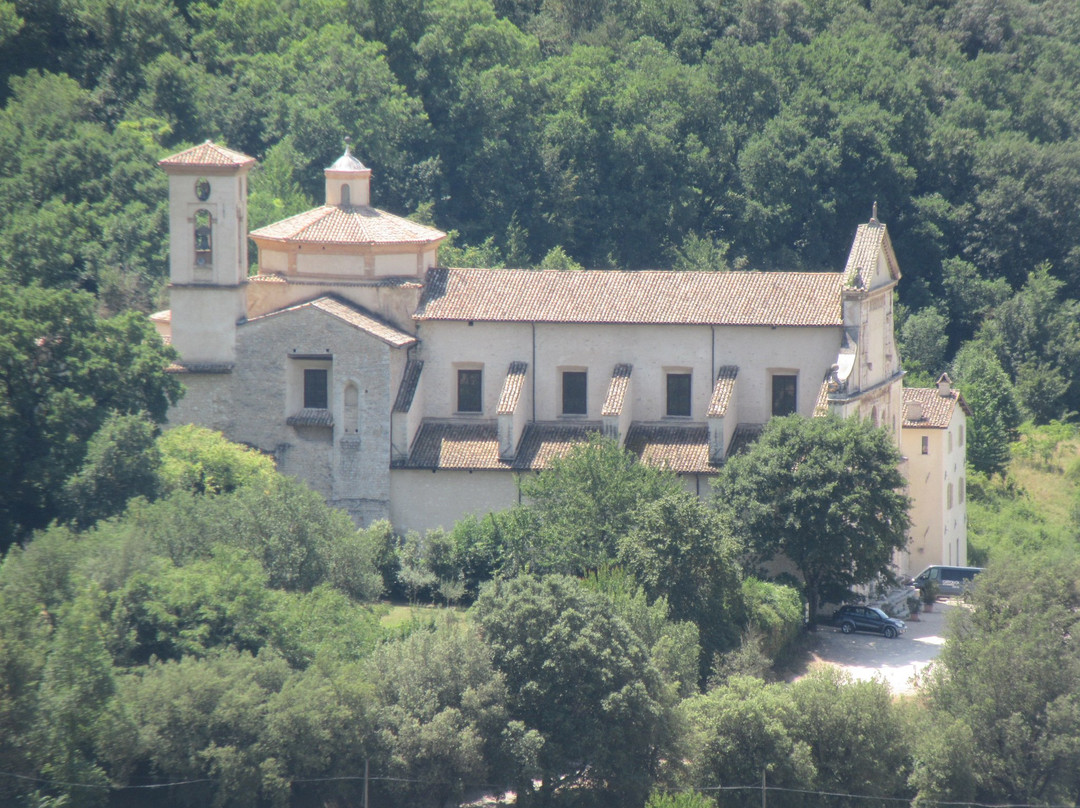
(914, 411)
(944, 386)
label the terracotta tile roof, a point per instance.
(515, 381)
(447, 445)
(646, 297)
(350, 313)
(409, 380)
(937, 410)
(821, 406)
(200, 367)
(396, 282)
(721, 395)
(683, 449)
(870, 238)
(475, 446)
(210, 155)
(542, 443)
(342, 224)
(744, 435)
(310, 416)
(441, 445)
(620, 381)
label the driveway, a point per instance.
(866, 656)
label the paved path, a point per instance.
(866, 656)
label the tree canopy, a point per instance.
(825, 493)
(64, 371)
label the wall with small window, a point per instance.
(655, 353)
(575, 391)
(310, 382)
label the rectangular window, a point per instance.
(925, 445)
(678, 394)
(316, 395)
(470, 388)
(573, 392)
(783, 394)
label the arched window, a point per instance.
(204, 242)
(346, 195)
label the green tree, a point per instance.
(64, 370)
(122, 462)
(200, 460)
(995, 413)
(826, 494)
(678, 548)
(584, 502)
(1008, 687)
(1036, 336)
(924, 341)
(76, 685)
(742, 729)
(440, 715)
(581, 678)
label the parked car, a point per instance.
(867, 618)
(950, 580)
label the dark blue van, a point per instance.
(950, 580)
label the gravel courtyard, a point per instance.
(897, 661)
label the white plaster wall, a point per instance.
(954, 538)
(317, 261)
(422, 500)
(271, 261)
(925, 484)
(387, 266)
(652, 350)
(204, 322)
(227, 206)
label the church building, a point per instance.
(401, 389)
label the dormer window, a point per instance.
(204, 245)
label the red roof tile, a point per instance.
(937, 410)
(209, 155)
(725, 385)
(646, 297)
(620, 382)
(350, 313)
(683, 449)
(515, 381)
(357, 224)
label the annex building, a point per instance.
(405, 390)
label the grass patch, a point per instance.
(402, 614)
(1033, 509)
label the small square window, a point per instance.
(316, 395)
(574, 386)
(783, 394)
(470, 391)
(678, 394)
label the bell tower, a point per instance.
(208, 253)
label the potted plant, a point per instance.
(914, 606)
(929, 595)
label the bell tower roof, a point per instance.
(206, 155)
(347, 162)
